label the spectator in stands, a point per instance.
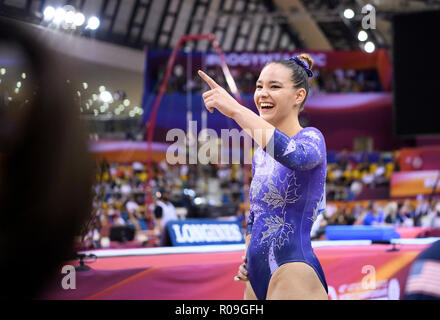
(348, 216)
(338, 175)
(356, 187)
(343, 159)
(374, 215)
(164, 210)
(224, 175)
(364, 166)
(318, 227)
(133, 221)
(118, 220)
(361, 213)
(426, 219)
(379, 173)
(423, 205)
(343, 216)
(407, 212)
(392, 215)
(126, 188)
(124, 214)
(357, 211)
(143, 220)
(436, 219)
(132, 205)
(368, 179)
(432, 218)
(113, 214)
(46, 173)
(104, 222)
(421, 210)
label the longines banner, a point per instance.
(192, 232)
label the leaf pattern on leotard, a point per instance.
(273, 224)
(289, 189)
(284, 235)
(315, 212)
(286, 194)
(277, 231)
(273, 196)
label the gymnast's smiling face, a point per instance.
(275, 95)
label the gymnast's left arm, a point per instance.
(304, 151)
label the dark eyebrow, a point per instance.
(271, 81)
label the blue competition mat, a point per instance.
(361, 233)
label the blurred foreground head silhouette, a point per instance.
(45, 170)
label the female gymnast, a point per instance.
(288, 183)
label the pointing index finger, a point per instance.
(211, 83)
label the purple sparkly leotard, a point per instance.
(287, 194)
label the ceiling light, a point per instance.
(93, 23)
(106, 96)
(49, 13)
(369, 47)
(60, 13)
(362, 35)
(79, 19)
(348, 13)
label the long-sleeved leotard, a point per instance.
(287, 193)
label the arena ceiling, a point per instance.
(239, 25)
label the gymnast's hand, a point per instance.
(242, 272)
(218, 98)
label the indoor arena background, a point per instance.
(154, 220)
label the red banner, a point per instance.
(422, 158)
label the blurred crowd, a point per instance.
(351, 173)
(183, 191)
(179, 191)
(421, 212)
(328, 81)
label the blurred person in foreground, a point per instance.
(45, 171)
(423, 282)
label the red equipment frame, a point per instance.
(150, 125)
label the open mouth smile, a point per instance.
(266, 105)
